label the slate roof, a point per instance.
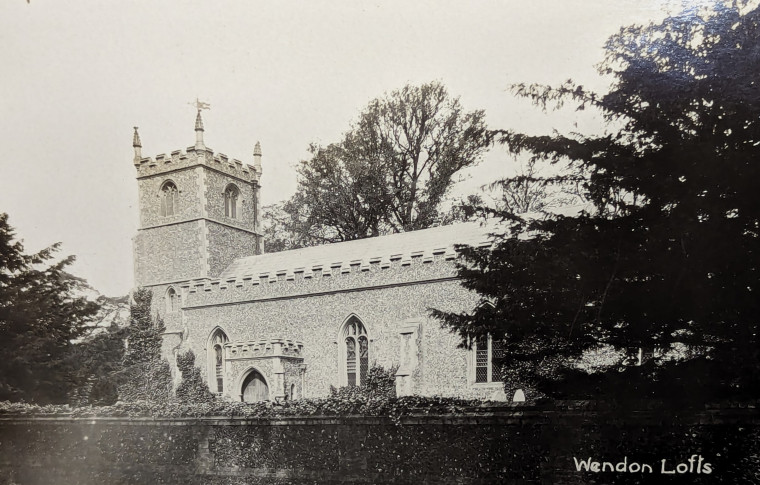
(423, 243)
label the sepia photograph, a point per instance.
(338, 242)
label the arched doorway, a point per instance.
(255, 388)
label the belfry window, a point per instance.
(487, 356)
(355, 352)
(231, 200)
(169, 199)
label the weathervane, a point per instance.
(199, 105)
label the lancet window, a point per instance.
(231, 201)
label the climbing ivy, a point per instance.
(192, 388)
(145, 376)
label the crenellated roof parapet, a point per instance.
(196, 155)
(192, 157)
(319, 270)
(263, 348)
(406, 258)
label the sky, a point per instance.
(78, 75)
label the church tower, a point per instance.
(199, 211)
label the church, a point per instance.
(293, 324)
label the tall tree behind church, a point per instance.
(40, 318)
(391, 170)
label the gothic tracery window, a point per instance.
(169, 199)
(231, 200)
(356, 352)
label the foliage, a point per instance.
(389, 173)
(40, 318)
(381, 383)
(144, 334)
(277, 228)
(148, 381)
(191, 388)
(529, 191)
(144, 375)
(478, 443)
(98, 359)
(470, 208)
(667, 259)
(335, 405)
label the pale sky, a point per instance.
(78, 75)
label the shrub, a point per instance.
(147, 381)
(145, 375)
(381, 383)
(192, 388)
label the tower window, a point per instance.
(172, 300)
(355, 356)
(231, 201)
(169, 199)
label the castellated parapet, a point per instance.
(261, 348)
(191, 157)
(339, 276)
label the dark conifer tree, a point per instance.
(96, 361)
(40, 318)
(666, 257)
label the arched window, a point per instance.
(169, 199)
(231, 201)
(215, 359)
(172, 300)
(355, 354)
(487, 354)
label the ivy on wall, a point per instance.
(191, 388)
(505, 444)
(145, 376)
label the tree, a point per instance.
(97, 361)
(530, 191)
(666, 261)
(465, 209)
(276, 226)
(40, 318)
(391, 170)
(145, 374)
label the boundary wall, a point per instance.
(508, 444)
